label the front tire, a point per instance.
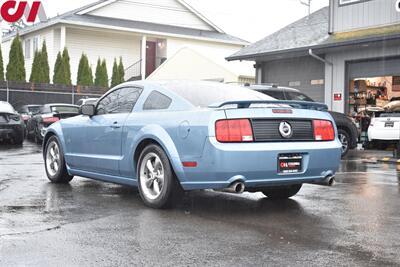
(54, 162)
(281, 192)
(157, 183)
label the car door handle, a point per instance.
(115, 125)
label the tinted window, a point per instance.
(203, 94)
(34, 110)
(275, 94)
(119, 101)
(297, 96)
(157, 100)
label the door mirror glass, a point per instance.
(87, 109)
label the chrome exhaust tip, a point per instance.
(235, 188)
(328, 181)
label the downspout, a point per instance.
(311, 53)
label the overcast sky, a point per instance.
(248, 19)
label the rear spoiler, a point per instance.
(290, 103)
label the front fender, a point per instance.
(161, 136)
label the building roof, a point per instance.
(312, 32)
(80, 17)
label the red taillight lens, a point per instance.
(48, 120)
(323, 130)
(234, 131)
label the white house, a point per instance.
(144, 33)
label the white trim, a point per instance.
(158, 34)
(95, 7)
(200, 16)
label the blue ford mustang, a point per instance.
(167, 137)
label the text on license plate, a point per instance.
(290, 163)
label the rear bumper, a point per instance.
(11, 131)
(256, 164)
(383, 134)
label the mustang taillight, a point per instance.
(323, 130)
(48, 120)
(234, 131)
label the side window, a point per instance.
(127, 99)
(119, 101)
(157, 100)
(108, 104)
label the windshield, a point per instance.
(34, 110)
(64, 109)
(297, 96)
(6, 108)
(204, 94)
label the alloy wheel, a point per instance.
(53, 160)
(151, 176)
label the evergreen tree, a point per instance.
(105, 73)
(44, 76)
(121, 71)
(101, 74)
(1, 66)
(58, 76)
(35, 71)
(85, 76)
(16, 64)
(115, 80)
(66, 67)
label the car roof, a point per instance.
(262, 87)
(60, 105)
(5, 106)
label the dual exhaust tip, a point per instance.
(239, 187)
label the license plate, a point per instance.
(290, 163)
(389, 124)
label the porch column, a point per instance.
(143, 57)
(62, 38)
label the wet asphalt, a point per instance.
(90, 223)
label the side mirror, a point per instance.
(87, 109)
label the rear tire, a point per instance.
(281, 192)
(19, 140)
(157, 183)
(54, 162)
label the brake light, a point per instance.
(48, 120)
(234, 131)
(323, 130)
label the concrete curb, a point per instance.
(390, 160)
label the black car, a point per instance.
(347, 130)
(12, 126)
(48, 114)
(27, 111)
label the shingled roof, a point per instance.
(306, 32)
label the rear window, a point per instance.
(203, 94)
(64, 109)
(6, 108)
(296, 96)
(34, 110)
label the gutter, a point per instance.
(311, 53)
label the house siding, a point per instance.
(101, 44)
(302, 70)
(365, 14)
(168, 12)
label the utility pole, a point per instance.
(307, 3)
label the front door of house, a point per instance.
(150, 58)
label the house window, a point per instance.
(35, 43)
(317, 82)
(28, 49)
(295, 83)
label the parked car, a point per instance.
(386, 128)
(347, 130)
(27, 111)
(83, 101)
(48, 114)
(12, 126)
(167, 136)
